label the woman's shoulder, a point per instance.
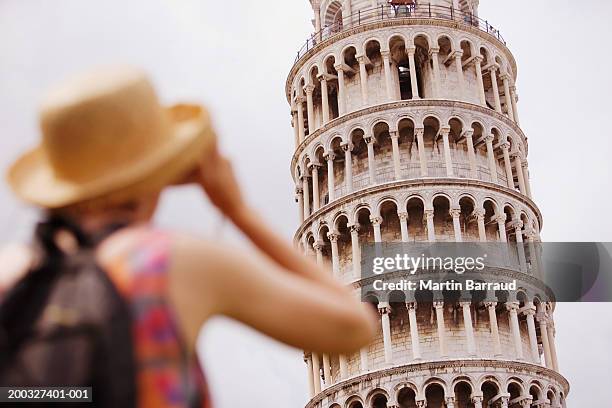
(136, 252)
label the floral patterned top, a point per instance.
(166, 377)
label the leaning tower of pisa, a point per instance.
(407, 130)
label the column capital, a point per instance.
(354, 228)
(394, 134)
(421, 403)
(476, 399)
(411, 305)
(300, 99)
(449, 400)
(468, 133)
(457, 54)
(489, 138)
(384, 308)
(493, 67)
(479, 213)
(445, 130)
(346, 146)
(333, 236)
(490, 305)
(455, 212)
(419, 130)
(465, 304)
(299, 190)
(309, 89)
(501, 219)
(361, 58)
(512, 306)
(504, 76)
(516, 155)
(529, 311)
(339, 67)
(369, 139)
(516, 224)
(376, 220)
(478, 59)
(329, 156)
(438, 305)
(410, 51)
(403, 216)
(385, 53)
(314, 165)
(428, 213)
(434, 50)
(525, 164)
(505, 146)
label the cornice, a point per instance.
(412, 183)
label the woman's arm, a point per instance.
(209, 278)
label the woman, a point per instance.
(109, 301)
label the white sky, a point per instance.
(234, 57)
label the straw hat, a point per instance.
(105, 135)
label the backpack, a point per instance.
(65, 324)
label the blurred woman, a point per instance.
(107, 300)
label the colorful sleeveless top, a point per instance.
(166, 376)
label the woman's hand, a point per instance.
(217, 178)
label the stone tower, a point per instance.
(407, 130)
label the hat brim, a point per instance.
(33, 180)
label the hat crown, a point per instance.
(101, 122)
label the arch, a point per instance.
(372, 395)
(333, 16)
(383, 200)
(359, 210)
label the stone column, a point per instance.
(343, 366)
(369, 139)
(439, 306)
(341, 90)
(444, 131)
(317, 17)
(316, 202)
(419, 132)
(459, 67)
(300, 115)
(356, 250)
(385, 311)
(403, 218)
(413, 77)
(299, 194)
(526, 178)
(316, 373)
(363, 79)
(545, 343)
(414, 331)
(477, 401)
(469, 328)
(329, 159)
(514, 107)
(491, 157)
(310, 108)
(396, 154)
(531, 328)
(306, 190)
(493, 72)
(518, 231)
(311, 389)
(515, 329)
(433, 54)
(501, 225)
(469, 140)
(505, 78)
(518, 167)
(508, 166)
(376, 221)
(348, 166)
(553, 347)
(494, 328)
(333, 239)
(326, 370)
(324, 99)
(504, 401)
(431, 232)
(481, 92)
(386, 55)
(480, 217)
(455, 213)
